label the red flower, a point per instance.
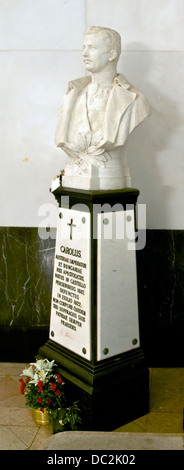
(22, 386)
(39, 400)
(42, 409)
(58, 392)
(60, 381)
(40, 383)
(21, 380)
(53, 386)
(27, 380)
(49, 401)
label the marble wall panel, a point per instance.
(161, 279)
(161, 297)
(31, 87)
(155, 148)
(42, 24)
(41, 46)
(28, 119)
(26, 269)
(152, 25)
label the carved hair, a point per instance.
(110, 37)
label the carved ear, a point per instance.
(112, 55)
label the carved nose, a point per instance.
(85, 52)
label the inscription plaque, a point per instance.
(70, 323)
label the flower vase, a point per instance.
(41, 417)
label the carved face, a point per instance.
(96, 56)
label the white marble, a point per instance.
(42, 24)
(114, 175)
(96, 116)
(143, 25)
(154, 150)
(30, 90)
(70, 323)
(32, 84)
(117, 320)
(93, 441)
(155, 153)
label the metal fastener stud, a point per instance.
(105, 351)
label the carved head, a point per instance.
(101, 48)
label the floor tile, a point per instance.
(138, 425)
(9, 441)
(8, 388)
(43, 433)
(18, 430)
(12, 368)
(15, 401)
(164, 422)
(130, 427)
(164, 402)
(26, 434)
(16, 416)
(167, 390)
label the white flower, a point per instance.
(42, 375)
(29, 372)
(50, 364)
(39, 370)
(43, 364)
(35, 379)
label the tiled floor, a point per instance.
(166, 404)
(19, 432)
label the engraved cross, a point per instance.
(71, 225)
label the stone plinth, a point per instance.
(94, 326)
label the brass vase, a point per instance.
(41, 418)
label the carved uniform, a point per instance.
(124, 109)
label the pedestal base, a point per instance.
(106, 183)
(111, 393)
(112, 175)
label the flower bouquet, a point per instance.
(43, 390)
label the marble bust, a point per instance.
(96, 116)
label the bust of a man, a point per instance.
(97, 114)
